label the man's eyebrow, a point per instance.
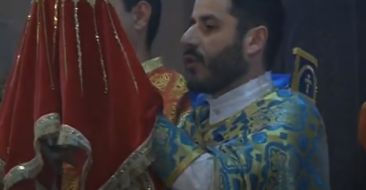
(206, 18)
(203, 18)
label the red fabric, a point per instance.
(174, 92)
(42, 82)
(17, 111)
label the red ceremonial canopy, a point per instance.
(76, 83)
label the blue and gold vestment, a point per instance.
(277, 142)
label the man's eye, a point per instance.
(210, 27)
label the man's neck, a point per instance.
(240, 81)
(237, 99)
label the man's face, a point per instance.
(213, 53)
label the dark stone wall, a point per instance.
(12, 17)
(331, 30)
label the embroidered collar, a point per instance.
(237, 99)
(152, 64)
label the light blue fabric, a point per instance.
(278, 143)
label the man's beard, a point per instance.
(224, 69)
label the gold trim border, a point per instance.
(70, 136)
(46, 125)
(135, 165)
(300, 53)
(183, 166)
(306, 55)
(152, 64)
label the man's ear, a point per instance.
(141, 13)
(255, 40)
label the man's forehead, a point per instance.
(211, 7)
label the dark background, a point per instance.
(334, 31)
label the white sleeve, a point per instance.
(198, 176)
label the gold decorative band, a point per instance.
(45, 126)
(182, 166)
(70, 136)
(134, 166)
(152, 64)
(304, 54)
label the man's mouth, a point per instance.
(192, 58)
(189, 60)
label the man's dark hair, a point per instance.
(154, 21)
(252, 13)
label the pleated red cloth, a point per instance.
(76, 83)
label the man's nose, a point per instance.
(190, 37)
